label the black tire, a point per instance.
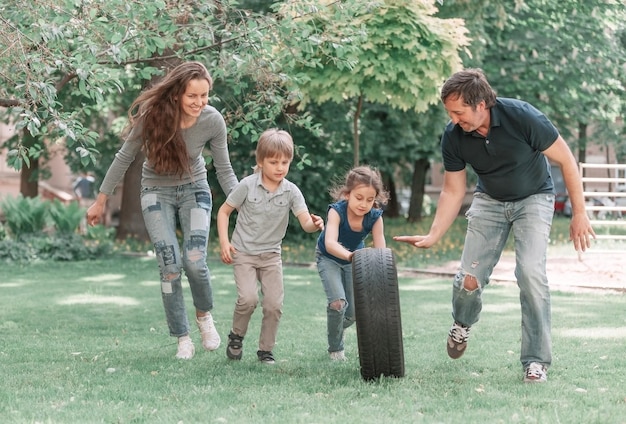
(377, 310)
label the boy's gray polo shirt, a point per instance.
(263, 217)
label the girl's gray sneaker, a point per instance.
(338, 356)
(535, 373)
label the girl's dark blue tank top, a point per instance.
(351, 240)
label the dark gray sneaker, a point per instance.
(265, 357)
(457, 340)
(234, 350)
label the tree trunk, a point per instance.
(29, 175)
(418, 185)
(355, 130)
(131, 223)
(392, 210)
(582, 142)
(609, 172)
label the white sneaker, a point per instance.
(210, 337)
(338, 356)
(186, 348)
(535, 373)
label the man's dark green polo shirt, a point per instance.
(508, 162)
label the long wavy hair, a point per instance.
(156, 112)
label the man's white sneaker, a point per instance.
(186, 349)
(210, 337)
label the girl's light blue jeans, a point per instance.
(489, 224)
(164, 208)
(337, 282)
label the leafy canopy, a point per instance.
(400, 55)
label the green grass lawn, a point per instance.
(87, 342)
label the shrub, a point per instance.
(59, 247)
(66, 218)
(67, 247)
(24, 215)
(26, 240)
(15, 251)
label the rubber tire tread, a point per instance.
(377, 310)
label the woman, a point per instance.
(171, 123)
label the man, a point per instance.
(508, 143)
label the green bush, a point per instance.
(100, 234)
(24, 215)
(68, 247)
(26, 241)
(58, 247)
(66, 218)
(16, 251)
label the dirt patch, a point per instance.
(567, 270)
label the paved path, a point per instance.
(566, 270)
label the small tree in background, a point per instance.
(400, 59)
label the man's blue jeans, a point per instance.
(189, 206)
(337, 282)
(489, 224)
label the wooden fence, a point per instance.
(604, 189)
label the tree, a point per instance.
(399, 58)
(84, 55)
(566, 58)
(102, 53)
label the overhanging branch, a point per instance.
(200, 49)
(9, 102)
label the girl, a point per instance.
(355, 214)
(172, 123)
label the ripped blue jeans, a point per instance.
(337, 282)
(164, 208)
(489, 223)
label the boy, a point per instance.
(263, 201)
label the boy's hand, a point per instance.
(318, 222)
(227, 252)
